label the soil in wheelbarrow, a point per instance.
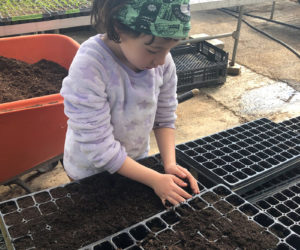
(20, 80)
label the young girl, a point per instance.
(121, 85)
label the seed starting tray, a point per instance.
(23, 218)
(199, 65)
(224, 204)
(283, 205)
(292, 124)
(274, 184)
(245, 156)
(2, 242)
(16, 11)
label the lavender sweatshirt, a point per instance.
(112, 109)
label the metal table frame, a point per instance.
(196, 5)
(200, 5)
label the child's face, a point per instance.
(141, 56)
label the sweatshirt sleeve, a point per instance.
(88, 110)
(167, 99)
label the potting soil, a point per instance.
(208, 229)
(20, 80)
(80, 213)
(214, 219)
(218, 233)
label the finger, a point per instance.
(178, 198)
(192, 181)
(182, 193)
(194, 186)
(180, 172)
(178, 181)
(183, 170)
(173, 201)
(176, 171)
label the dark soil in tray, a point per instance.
(87, 211)
(81, 212)
(20, 80)
(97, 208)
(207, 229)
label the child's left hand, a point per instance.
(183, 173)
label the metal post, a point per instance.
(272, 11)
(236, 35)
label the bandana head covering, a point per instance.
(162, 18)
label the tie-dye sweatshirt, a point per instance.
(112, 109)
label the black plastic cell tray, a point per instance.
(2, 242)
(286, 178)
(133, 237)
(48, 201)
(283, 205)
(46, 12)
(245, 156)
(292, 124)
(199, 65)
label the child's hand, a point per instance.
(167, 187)
(183, 173)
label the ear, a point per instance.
(118, 31)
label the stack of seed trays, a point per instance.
(217, 218)
(16, 11)
(78, 213)
(292, 176)
(199, 65)
(283, 206)
(245, 156)
(292, 124)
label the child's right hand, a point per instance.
(168, 187)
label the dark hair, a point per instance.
(103, 15)
(103, 19)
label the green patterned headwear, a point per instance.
(162, 18)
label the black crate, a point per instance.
(21, 12)
(282, 204)
(292, 124)
(199, 65)
(222, 202)
(245, 156)
(21, 216)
